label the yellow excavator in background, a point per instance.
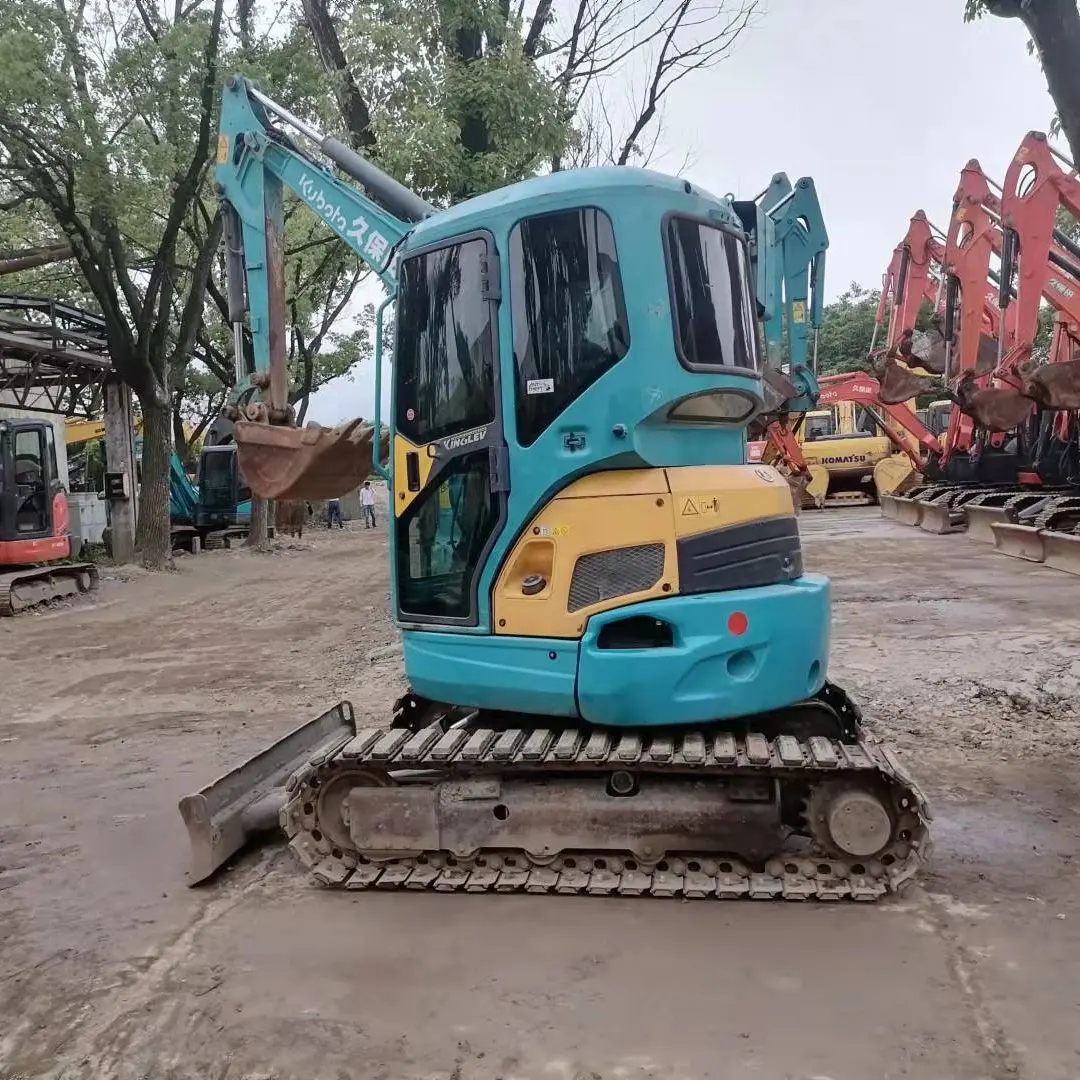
(842, 445)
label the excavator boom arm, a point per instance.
(256, 163)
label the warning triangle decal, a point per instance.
(689, 508)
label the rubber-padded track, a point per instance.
(488, 752)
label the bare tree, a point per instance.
(667, 40)
(584, 55)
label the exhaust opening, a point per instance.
(636, 632)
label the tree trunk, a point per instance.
(180, 443)
(153, 542)
(258, 539)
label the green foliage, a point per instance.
(847, 330)
(457, 107)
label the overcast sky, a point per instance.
(881, 102)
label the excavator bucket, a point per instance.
(981, 521)
(927, 350)
(311, 462)
(998, 408)
(894, 475)
(226, 815)
(1061, 551)
(897, 384)
(1019, 541)
(1056, 386)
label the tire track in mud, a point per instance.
(121, 1033)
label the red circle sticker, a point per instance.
(410, 414)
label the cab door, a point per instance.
(450, 476)
(28, 479)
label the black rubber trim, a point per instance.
(740, 556)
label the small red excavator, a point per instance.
(35, 542)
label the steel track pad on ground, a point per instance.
(433, 756)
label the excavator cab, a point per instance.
(33, 509)
(221, 489)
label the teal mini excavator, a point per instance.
(617, 664)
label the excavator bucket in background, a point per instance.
(224, 816)
(311, 462)
(1056, 386)
(897, 384)
(1019, 541)
(1061, 550)
(926, 350)
(894, 475)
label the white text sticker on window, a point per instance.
(540, 386)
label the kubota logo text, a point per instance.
(329, 211)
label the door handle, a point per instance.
(412, 470)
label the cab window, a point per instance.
(444, 357)
(713, 307)
(568, 312)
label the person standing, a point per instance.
(367, 505)
(333, 513)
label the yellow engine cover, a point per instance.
(625, 508)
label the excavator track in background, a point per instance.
(945, 510)
(21, 590)
(997, 508)
(454, 800)
(1050, 536)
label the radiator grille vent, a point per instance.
(604, 575)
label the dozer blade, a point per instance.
(909, 511)
(226, 815)
(1061, 551)
(981, 519)
(939, 518)
(888, 506)
(1019, 541)
(311, 462)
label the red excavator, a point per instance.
(35, 542)
(1010, 451)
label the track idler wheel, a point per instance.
(850, 820)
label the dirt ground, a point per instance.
(111, 967)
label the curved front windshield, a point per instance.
(712, 293)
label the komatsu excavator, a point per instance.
(617, 662)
